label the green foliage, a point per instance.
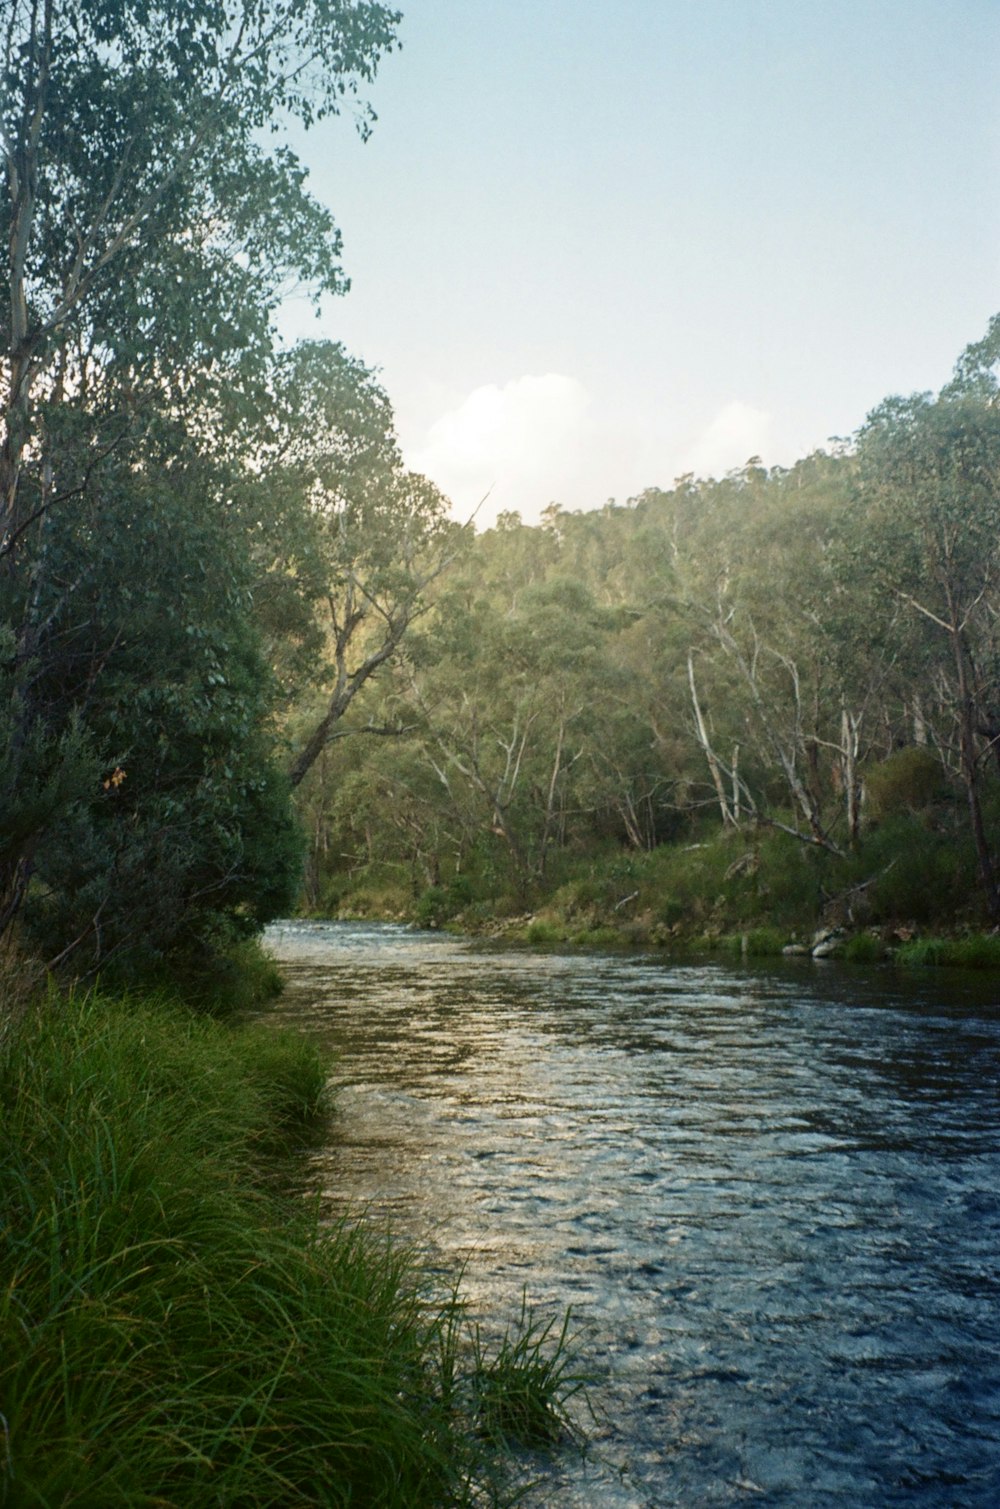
(156, 216)
(524, 1384)
(182, 838)
(541, 930)
(979, 951)
(863, 948)
(907, 781)
(918, 873)
(763, 942)
(439, 903)
(236, 977)
(642, 687)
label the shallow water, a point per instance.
(772, 1197)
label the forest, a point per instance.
(238, 633)
(250, 664)
(757, 706)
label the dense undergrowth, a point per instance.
(909, 888)
(174, 1333)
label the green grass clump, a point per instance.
(171, 1333)
(978, 951)
(601, 937)
(863, 948)
(540, 930)
(761, 942)
(523, 1387)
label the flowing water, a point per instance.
(772, 1197)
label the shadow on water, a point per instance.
(770, 1195)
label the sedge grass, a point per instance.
(976, 951)
(170, 1333)
(524, 1385)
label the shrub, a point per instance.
(863, 948)
(921, 874)
(907, 781)
(764, 942)
(540, 930)
(439, 903)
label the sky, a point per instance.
(594, 246)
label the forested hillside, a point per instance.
(215, 567)
(766, 699)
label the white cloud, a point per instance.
(522, 440)
(737, 432)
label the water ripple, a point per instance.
(770, 1196)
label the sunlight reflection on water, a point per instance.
(771, 1197)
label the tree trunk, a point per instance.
(970, 773)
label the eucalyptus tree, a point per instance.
(153, 217)
(343, 529)
(149, 231)
(928, 515)
(511, 701)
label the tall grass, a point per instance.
(522, 1388)
(977, 951)
(171, 1334)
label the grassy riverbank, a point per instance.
(909, 891)
(172, 1332)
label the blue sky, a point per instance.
(595, 245)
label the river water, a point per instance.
(771, 1196)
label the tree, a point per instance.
(178, 835)
(929, 503)
(149, 232)
(361, 538)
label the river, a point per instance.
(771, 1196)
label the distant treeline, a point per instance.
(806, 659)
(214, 564)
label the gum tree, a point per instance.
(929, 509)
(153, 216)
(349, 539)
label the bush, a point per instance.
(907, 781)
(540, 930)
(863, 948)
(764, 942)
(921, 874)
(439, 903)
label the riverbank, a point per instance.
(175, 1332)
(908, 893)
